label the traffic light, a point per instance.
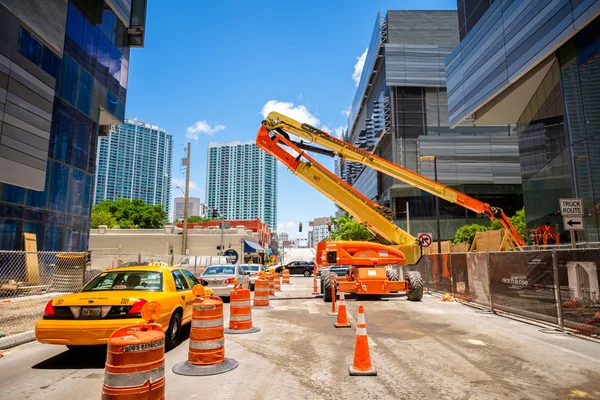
(300, 227)
(329, 226)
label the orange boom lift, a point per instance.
(367, 274)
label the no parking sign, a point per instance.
(426, 239)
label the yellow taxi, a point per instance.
(113, 299)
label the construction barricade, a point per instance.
(135, 360)
(240, 312)
(206, 354)
(286, 276)
(361, 366)
(277, 281)
(261, 293)
(271, 279)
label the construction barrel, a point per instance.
(277, 282)
(271, 278)
(286, 276)
(261, 292)
(240, 312)
(135, 363)
(206, 354)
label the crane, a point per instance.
(330, 145)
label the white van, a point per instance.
(197, 264)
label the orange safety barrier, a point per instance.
(315, 289)
(135, 360)
(362, 358)
(286, 276)
(261, 292)
(342, 316)
(277, 282)
(206, 354)
(240, 312)
(271, 279)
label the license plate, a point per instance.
(91, 313)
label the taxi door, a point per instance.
(184, 291)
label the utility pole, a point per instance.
(222, 226)
(186, 162)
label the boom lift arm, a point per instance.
(375, 217)
(333, 146)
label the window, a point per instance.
(58, 187)
(30, 48)
(50, 63)
(69, 79)
(13, 194)
(84, 98)
(126, 280)
(180, 282)
(75, 25)
(191, 278)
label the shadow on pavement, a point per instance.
(92, 357)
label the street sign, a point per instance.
(426, 239)
(233, 254)
(571, 207)
(573, 223)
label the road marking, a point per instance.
(312, 308)
(351, 318)
(476, 342)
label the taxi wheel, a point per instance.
(173, 334)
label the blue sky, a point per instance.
(209, 69)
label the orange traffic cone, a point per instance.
(362, 358)
(342, 317)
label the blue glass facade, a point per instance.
(91, 81)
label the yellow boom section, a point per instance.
(361, 208)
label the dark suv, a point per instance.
(298, 268)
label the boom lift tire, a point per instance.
(416, 286)
(393, 276)
(327, 283)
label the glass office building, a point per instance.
(134, 162)
(537, 65)
(241, 182)
(400, 113)
(63, 80)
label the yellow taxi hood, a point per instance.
(106, 298)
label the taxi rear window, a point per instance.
(126, 280)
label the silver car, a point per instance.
(254, 270)
(221, 278)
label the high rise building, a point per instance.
(400, 113)
(320, 230)
(134, 162)
(536, 64)
(64, 67)
(241, 182)
(193, 207)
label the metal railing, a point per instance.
(557, 286)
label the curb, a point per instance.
(15, 340)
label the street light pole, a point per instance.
(186, 200)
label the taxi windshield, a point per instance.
(125, 280)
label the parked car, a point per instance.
(197, 264)
(221, 278)
(298, 268)
(114, 299)
(253, 270)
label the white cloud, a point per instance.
(181, 183)
(300, 113)
(358, 67)
(203, 127)
(339, 131)
(291, 227)
(346, 112)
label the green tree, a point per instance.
(346, 228)
(129, 214)
(466, 233)
(102, 217)
(518, 221)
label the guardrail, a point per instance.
(558, 286)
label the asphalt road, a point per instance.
(426, 350)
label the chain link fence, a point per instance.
(558, 286)
(28, 280)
